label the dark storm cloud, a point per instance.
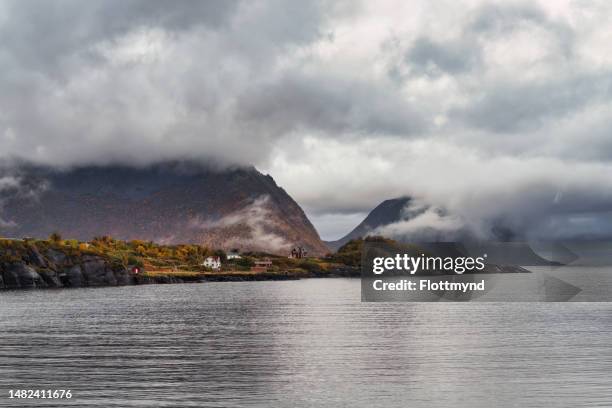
(142, 81)
(515, 107)
(40, 34)
(487, 99)
(464, 52)
(430, 57)
(511, 103)
(500, 19)
(330, 104)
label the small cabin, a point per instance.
(212, 262)
(267, 262)
(233, 255)
(262, 265)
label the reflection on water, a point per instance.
(299, 343)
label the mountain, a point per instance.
(504, 247)
(387, 212)
(167, 203)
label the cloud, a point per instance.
(15, 185)
(141, 82)
(345, 103)
(464, 189)
(331, 105)
(515, 107)
(7, 183)
(421, 222)
(256, 218)
(432, 58)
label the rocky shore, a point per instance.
(26, 266)
(33, 267)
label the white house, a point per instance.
(233, 255)
(212, 262)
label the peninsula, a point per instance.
(58, 263)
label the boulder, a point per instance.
(20, 275)
(34, 267)
(50, 277)
(97, 272)
(57, 257)
(73, 277)
(35, 258)
(123, 276)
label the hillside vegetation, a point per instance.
(57, 262)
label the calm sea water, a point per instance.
(299, 344)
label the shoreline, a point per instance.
(105, 262)
(40, 264)
(169, 279)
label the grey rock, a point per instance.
(73, 277)
(123, 277)
(20, 275)
(35, 258)
(57, 257)
(51, 278)
(97, 272)
(52, 268)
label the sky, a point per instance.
(483, 111)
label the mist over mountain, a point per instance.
(387, 212)
(170, 203)
(435, 111)
(410, 219)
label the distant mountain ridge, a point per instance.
(502, 249)
(387, 212)
(169, 203)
